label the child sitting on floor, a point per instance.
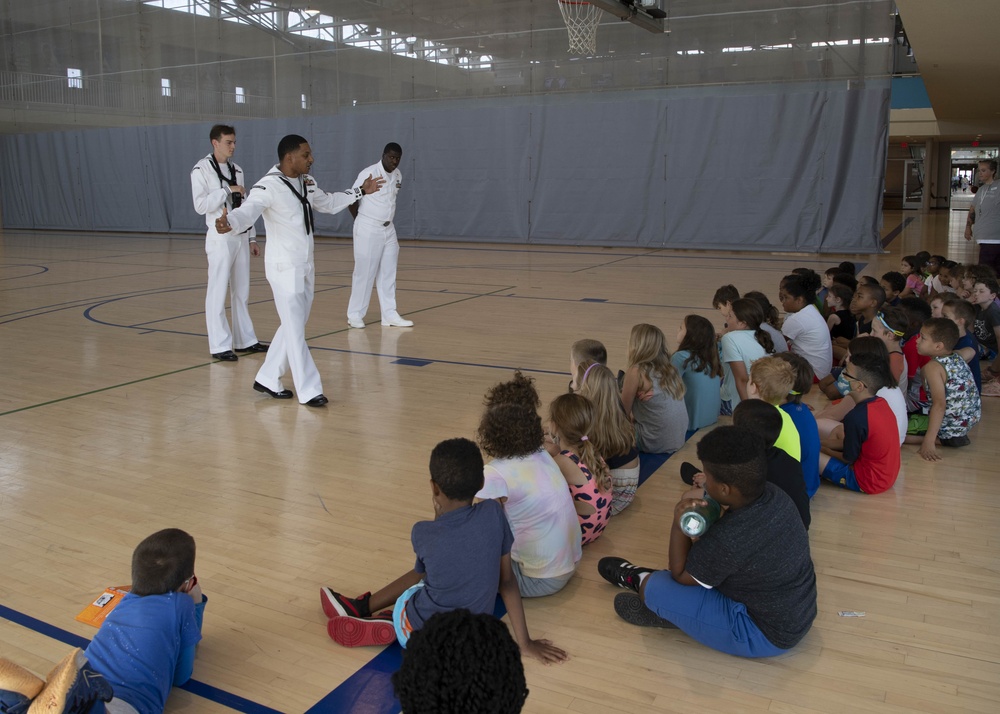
(723, 302)
(582, 355)
(146, 645)
(830, 420)
(745, 342)
(571, 419)
(917, 311)
(772, 379)
(653, 393)
(840, 321)
(697, 361)
(802, 417)
(912, 266)
(806, 330)
(963, 314)
(894, 283)
(890, 326)
(613, 435)
(747, 585)
(772, 322)
(955, 404)
(782, 470)
(987, 325)
(463, 558)
(868, 461)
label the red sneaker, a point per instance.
(361, 632)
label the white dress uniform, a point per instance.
(228, 259)
(288, 264)
(376, 250)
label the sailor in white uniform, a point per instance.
(376, 250)
(216, 181)
(286, 197)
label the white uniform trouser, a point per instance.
(228, 266)
(292, 286)
(376, 252)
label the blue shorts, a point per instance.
(399, 620)
(726, 407)
(842, 474)
(707, 616)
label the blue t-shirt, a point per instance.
(701, 391)
(969, 340)
(459, 555)
(139, 645)
(736, 346)
(805, 423)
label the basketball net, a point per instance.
(582, 20)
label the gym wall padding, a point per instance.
(777, 167)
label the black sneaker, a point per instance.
(688, 472)
(620, 572)
(336, 605)
(956, 441)
(630, 608)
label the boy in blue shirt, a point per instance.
(147, 643)
(802, 417)
(463, 558)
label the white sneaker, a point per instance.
(396, 321)
(356, 324)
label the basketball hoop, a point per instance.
(582, 20)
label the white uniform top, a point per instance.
(380, 206)
(288, 241)
(210, 194)
(986, 204)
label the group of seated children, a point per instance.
(929, 339)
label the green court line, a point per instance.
(198, 366)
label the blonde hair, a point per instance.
(611, 432)
(773, 377)
(572, 415)
(647, 350)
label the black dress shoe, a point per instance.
(317, 401)
(259, 347)
(227, 356)
(283, 394)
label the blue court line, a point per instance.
(407, 362)
(205, 691)
(891, 235)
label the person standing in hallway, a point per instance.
(376, 250)
(984, 215)
(286, 197)
(217, 182)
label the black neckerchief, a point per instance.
(307, 210)
(232, 170)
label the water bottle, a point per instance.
(696, 520)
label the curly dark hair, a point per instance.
(457, 468)
(460, 663)
(519, 390)
(509, 431)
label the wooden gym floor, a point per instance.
(115, 422)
